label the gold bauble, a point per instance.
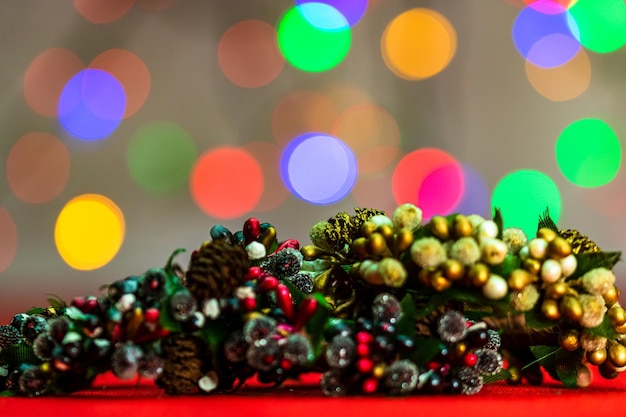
(559, 248)
(547, 234)
(617, 316)
(596, 357)
(403, 240)
(459, 349)
(569, 339)
(532, 265)
(359, 248)
(519, 279)
(368, 228)
(570, 307)
(376, 244)
(478, 274)
(550, 309)
(440, 227)
(312, 252)
(439, 282)
(617, 354)
(557, 290)
(462, 226)
(611, 296)
(453, 269)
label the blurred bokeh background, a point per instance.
(130, 127)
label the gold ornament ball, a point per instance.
(376, 244)
(440, 282)
(359, 248)
(617, 354)
(519, 279)
(559, 248)
(550, 309)
(453, 269)
(478, 274)
(532, 265)
(596, 357)
(440, 227)
(403, 240)
(462, 226)
(569, 339)
(557, 290)
(611, 296)
(570, 307)
(617, 316)
(547, 234)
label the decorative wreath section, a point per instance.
(376, 304)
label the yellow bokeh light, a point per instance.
(89, 231)
(418, 44)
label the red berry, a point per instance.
(365, 365)
(251, 230)
(364, 337)
(432, 365)
(269, 283)
(151, 315)
(470, 359)
(363, 349)
(370, 385)
(248, 304)
(290, 243)
(306, 309)
(253, 272)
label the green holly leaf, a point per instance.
(566, 365)
(503, 375)
(499, 221)
(317, 323)
(591, 260)
(406, 323)
(605, 329)
(546, 221)
(8, 393)
(546, 358)
(535, 319)
(167, 320)
(426, 348)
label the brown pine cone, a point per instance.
(427, 326)
(185, 358)
(579, 242)
(342, 229)
(216, 269)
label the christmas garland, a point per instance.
(375, 304)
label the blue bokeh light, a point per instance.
(92, 104)
(318, 168)
(545, 37)
(329, 15)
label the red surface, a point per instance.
(110, 397)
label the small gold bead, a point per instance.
(312, 252)
(532, 265)
(379, 370)
(403, 240)
(440, 227)
(617, 354)
(569, 339)
(596, 357)
(45, 367)
(547, 234)
(559, 248)
(621, 329)
(570, 307)
(368, 228)
(557, 290)
(359, 248)
(376, 244)
(453, 269)
(516, 375)
(550, 309)
(439, 282)
(478, 274)
(611, 296)
(462, 226)
(617, 316)
(519, 279)
(459, 349)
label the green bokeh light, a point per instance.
(601, 24)
(522, 196)
(160, 156)
(588, 153)
(311, 48)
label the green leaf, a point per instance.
(167, 320)
(34, 310)
(406, 324)
(296, 294)
(169, 266)
(426, 348)
(215, 333)
(499, 221)
(510, 263)
(566, 364)
(605, 329)
(503, 375)
(8, 393)
(316, 324)
(591, 260)
(546, 358)
(546, 221)
(535, 319)
(56, 302)
(18, 354)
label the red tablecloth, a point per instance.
(110, 397)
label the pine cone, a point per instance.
(216, 269)
(185, 358)
(342, 229)
(427, 326)
(579, 242)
